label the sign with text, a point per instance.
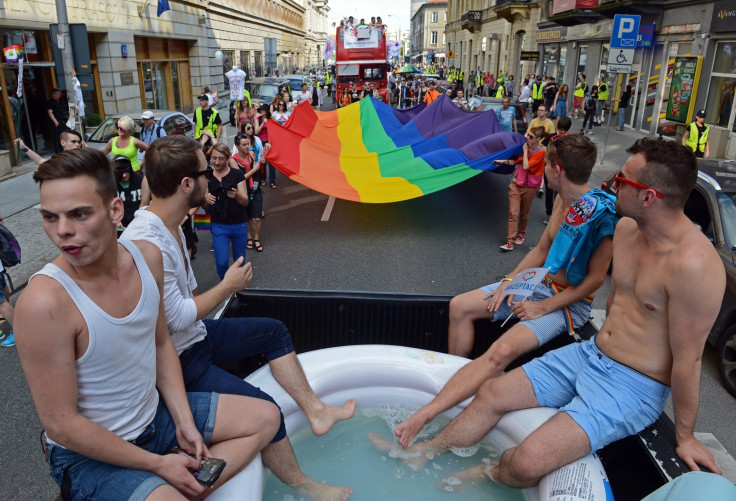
(724, 16)
(620, 60)
(646, 35)
(625, 31)
(525, 282)
(529, 55)
(684, 88)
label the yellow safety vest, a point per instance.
(581, 91)
(692, 138)
(602, 92)
(538, 91)
(501, 91)
(211, 126)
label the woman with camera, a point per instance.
(227, 198)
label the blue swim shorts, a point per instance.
(607, 399)
(547, 326)
(86, 478)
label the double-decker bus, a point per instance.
(360, 58)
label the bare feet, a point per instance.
(408, 430)
(325, 418)
(461, 480)
(414, 457)
(321, 492)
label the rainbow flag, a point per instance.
(202, 222)
(371, 152)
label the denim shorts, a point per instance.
(607, 399)
(547, 326)
(83, 478)
(2, 289)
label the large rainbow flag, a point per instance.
(371, 152)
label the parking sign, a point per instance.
(625, 31)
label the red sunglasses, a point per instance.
(621, 179)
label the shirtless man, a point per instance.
(666, 290)
(95, 350)
(573, 281)
(203, 342)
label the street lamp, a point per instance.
(399, 20)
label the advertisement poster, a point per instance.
(684, 88)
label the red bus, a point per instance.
(360, 58)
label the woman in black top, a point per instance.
(228, 197)
(623, 103)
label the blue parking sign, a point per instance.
(625, 31)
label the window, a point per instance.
(245, 61)
(373, 73)
(722, 86)
(435, 16)
(228, 57)
(433, 40)
(445, 16)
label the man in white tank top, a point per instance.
(202, 342)
(96, 353)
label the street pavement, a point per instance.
(444, 243)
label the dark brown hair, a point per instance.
(671, 169)
(80, 162)
(169, 159)
(575, 153)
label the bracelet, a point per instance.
(506, 279)
(25, 149)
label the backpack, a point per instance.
(589, 102)
(9, 248)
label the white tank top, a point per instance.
(116, 376)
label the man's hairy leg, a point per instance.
(464, 310)
(243, 427)
(466, 382)
(556, 443)
(279, 458)
(289, 374)
(496, 397)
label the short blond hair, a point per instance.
(127, 123)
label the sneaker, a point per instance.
(9, 341)
(590, 132)
(545, 220)
(582, 131)
(519, 240)
(508, 246)
(540, 193)
(2, 335)
(212, 249)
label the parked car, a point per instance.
(493, 103)
(173, 122)
(712, 207)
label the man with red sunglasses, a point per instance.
(666, 290)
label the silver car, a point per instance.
(173, 122)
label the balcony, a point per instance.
(610, 8)
(514, 10)
(471, 20)
(574, 12)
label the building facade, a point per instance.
(491, 35)
(428, 32)
(141, 60)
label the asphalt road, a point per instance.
(444, 243)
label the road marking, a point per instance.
(328, 209)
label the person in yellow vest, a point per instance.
(537, 94)
(696, 136)
(125, 144)
(206, 119)
(501, 92)
(602, 98)
(577, 97)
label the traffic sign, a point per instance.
(625, 31)
(621, 56)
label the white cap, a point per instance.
(147, 114)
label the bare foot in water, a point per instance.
(321, 492)
(461, 480)
(414, 457)
(323, 419)
(408, 430)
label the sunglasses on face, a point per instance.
(122, 129)
(621, 179)
(207, 173)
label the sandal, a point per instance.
(273, 186)
(249, 244)
(258, 246)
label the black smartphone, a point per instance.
(210, 471)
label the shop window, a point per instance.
(719, 102)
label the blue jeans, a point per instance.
(83, 478)
(222, 236)
(229, 340)
(621, 117)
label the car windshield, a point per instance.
(727, 207)
(109, 129)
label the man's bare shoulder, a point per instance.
(152, 255)
(695, 256)
(43, 294)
